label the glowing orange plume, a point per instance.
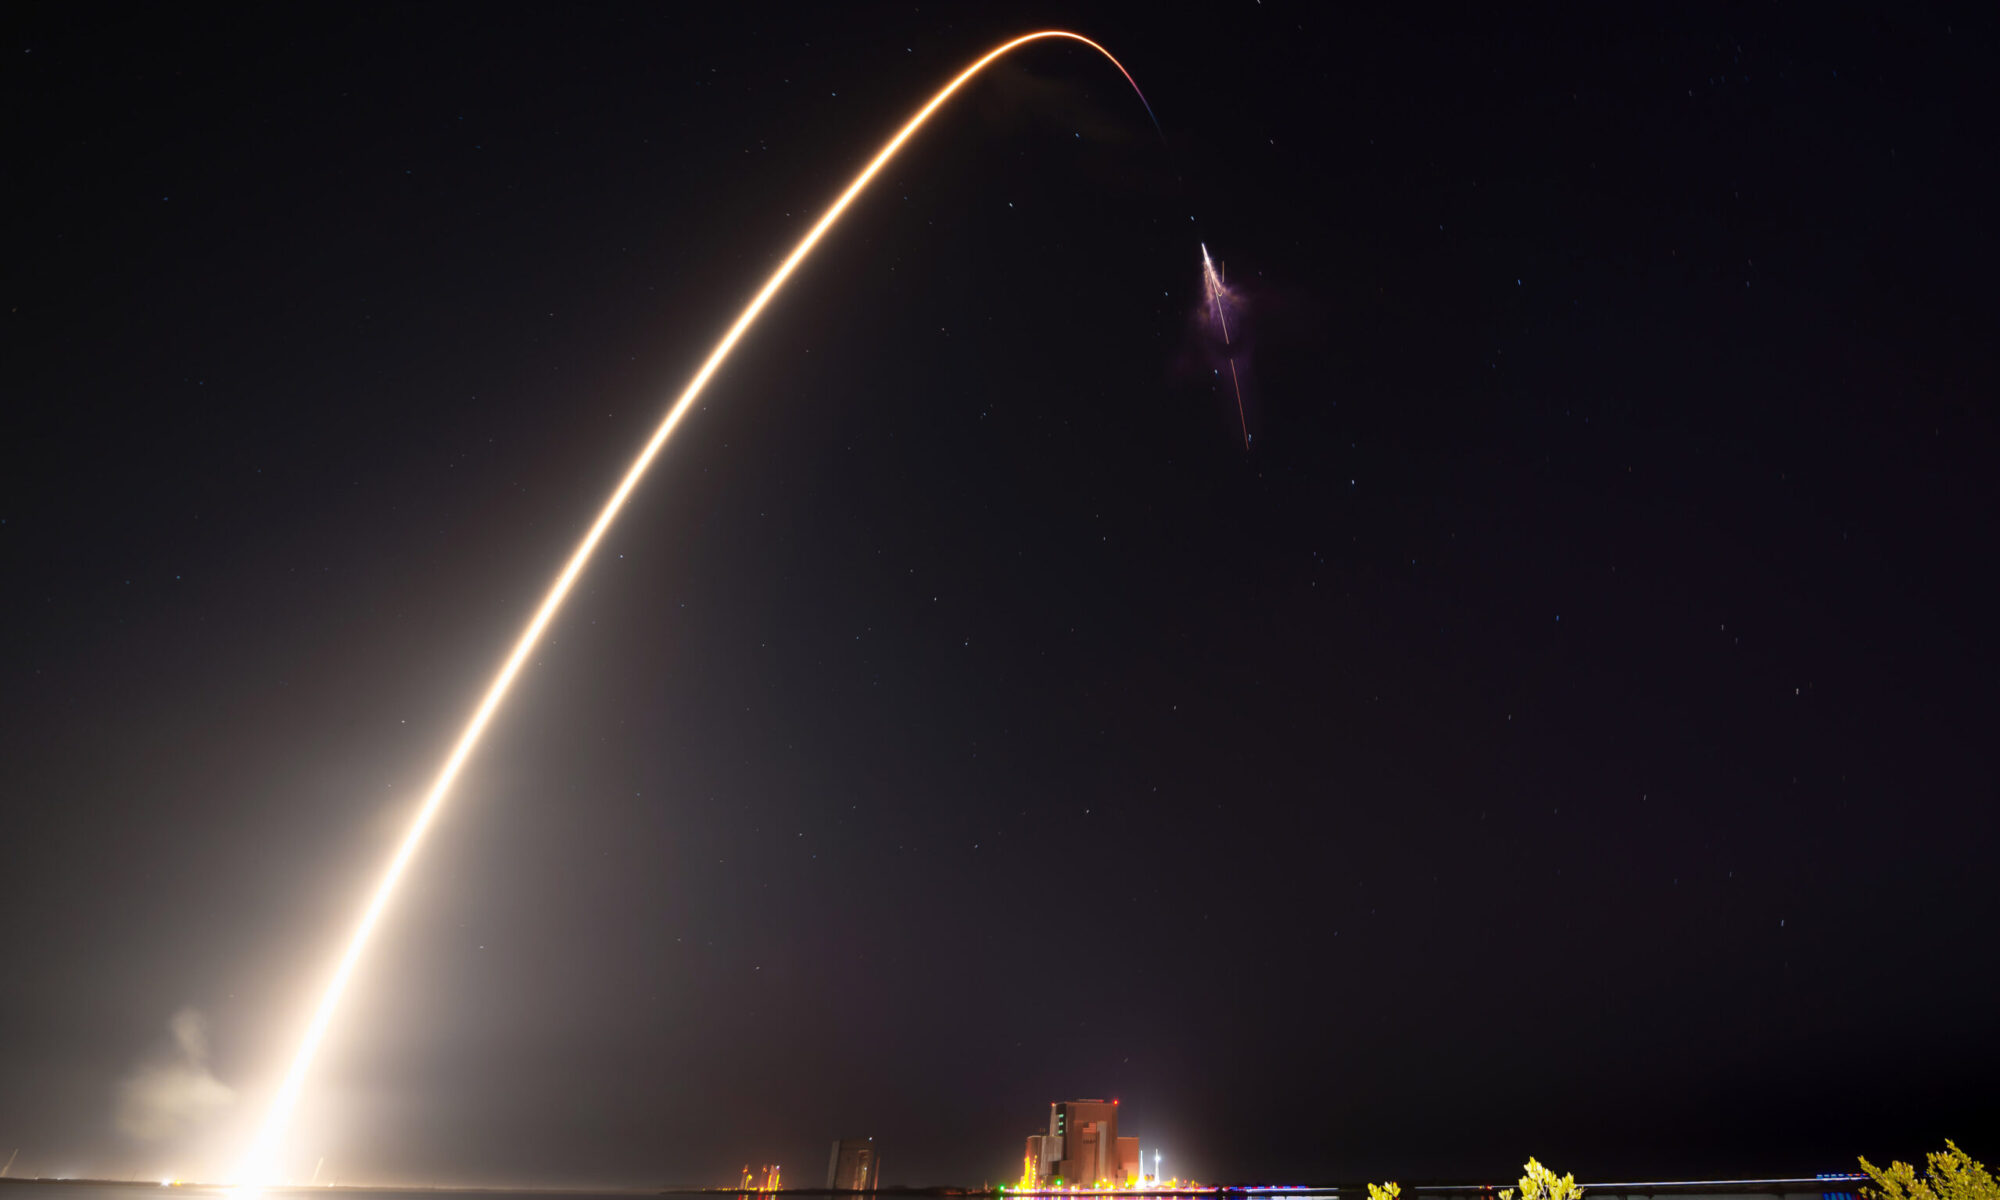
(260, 1166)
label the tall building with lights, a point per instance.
(1081, 1146)
(855, 1165)
(1035, 1165)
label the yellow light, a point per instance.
(259, 1167)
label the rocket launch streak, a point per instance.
(260, 1166)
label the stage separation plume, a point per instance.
(1212, 280)
(260, 1166)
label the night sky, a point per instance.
(1569, 730)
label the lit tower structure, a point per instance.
(1082, 1148)
(855, 1165)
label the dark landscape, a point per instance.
(1286, 594)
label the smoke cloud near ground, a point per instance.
(171, 1094)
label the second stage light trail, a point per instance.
(1212, 279)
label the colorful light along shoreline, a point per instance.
(1148, 1186)
(1144, 1187)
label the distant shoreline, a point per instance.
(1813, 1188)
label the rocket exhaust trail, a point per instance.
(1213, 279)
(259, 1167)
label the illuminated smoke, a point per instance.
(169, 1095)
(259, 1167)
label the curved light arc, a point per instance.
(259, 1168)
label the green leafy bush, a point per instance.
(1540, 1183)
(1953, 1175)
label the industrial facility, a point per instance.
(1081, 1148)
(855, 1165)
